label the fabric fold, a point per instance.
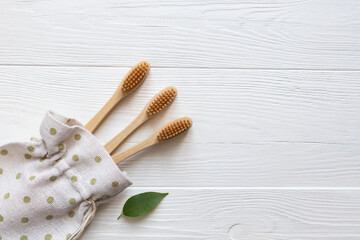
(47, 187)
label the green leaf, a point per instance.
(142, 203)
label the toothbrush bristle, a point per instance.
(174, 128)
(161, 100)
(135, 76)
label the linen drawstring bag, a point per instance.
(50, 188)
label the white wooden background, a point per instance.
(273, 87)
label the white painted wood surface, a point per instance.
(273, 88)
(238, 214)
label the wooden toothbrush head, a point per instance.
(174, 128)
(161, 100)
(135, 77)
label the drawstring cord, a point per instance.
(87, 221)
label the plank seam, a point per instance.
(254, 188)
(171, 67)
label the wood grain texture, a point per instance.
(208, 34)
(236, 214)
(251, 128)
(271, 85)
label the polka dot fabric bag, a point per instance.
(49, 189)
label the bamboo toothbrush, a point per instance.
(156, 104)
(166, 132)
(129, 83)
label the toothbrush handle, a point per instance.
(104, 111)
(119, 157)
(118, 139)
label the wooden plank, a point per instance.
(262, 128)
(234, 106)
(208, 34)
(272, 164)
(236, 214)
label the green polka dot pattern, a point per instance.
(50, 200)
(53, 178)
(52, 131)
(26, 199)
(4, 152)
(75, 158)
(61, 147)
(77, 137)
(72, 201)
(30, 148)
(43, 183)
(93, 181)
(98, 159)
(48, 237)
(7, 196)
